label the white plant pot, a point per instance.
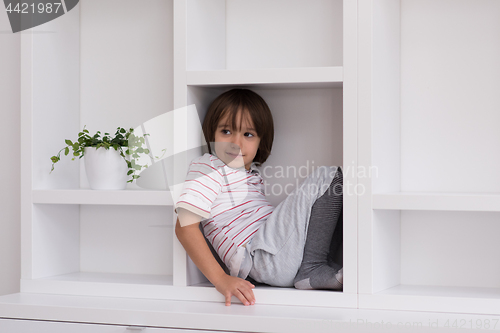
(105, 168)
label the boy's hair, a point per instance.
(249, 103)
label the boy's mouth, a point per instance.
(234, 155)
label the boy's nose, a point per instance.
(236, 142)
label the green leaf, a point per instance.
(122, 130)
(66, 151)
(130, 172)
(54, 159)
(68, 142)
(85, 130)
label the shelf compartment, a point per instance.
(226, 34)
(485, 202)
(95, 197)
(434, 298)
(321, 77)
(121, 244)
(427, 130)
(432, 261)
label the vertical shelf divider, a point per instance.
(365, 227)
(180, 100)
(27, 156)
(350, 118)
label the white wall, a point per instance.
(10, 105)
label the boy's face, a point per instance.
(236, 147)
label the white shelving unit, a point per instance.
(429, 217)
(301, 57)
(402, 93)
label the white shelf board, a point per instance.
(97, 197)
(113, 278)
(484, 202)
(435, 298)
(161, 287)
(102, 284)
(286, 296)
(313, 77)
(217, 316)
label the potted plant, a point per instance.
(110, 161)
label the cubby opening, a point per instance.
(436, 253)
(238, 35)
(435, 96)
(308, 119)
(102, 244)
(93, 67)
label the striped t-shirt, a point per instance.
(231, 201)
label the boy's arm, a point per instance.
(196, 247)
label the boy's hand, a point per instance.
(234, 286)
(193, 241)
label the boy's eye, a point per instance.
(226, 131)
(249, 134)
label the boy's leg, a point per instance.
(337, 241)
(277, 248)
(326, 214)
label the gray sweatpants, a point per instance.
(278, 246)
